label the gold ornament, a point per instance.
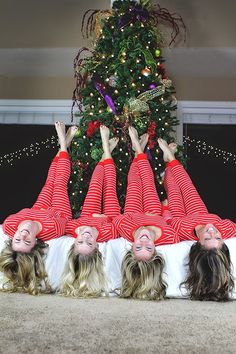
(146, 71)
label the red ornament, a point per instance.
(92, 127)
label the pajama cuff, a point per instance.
(108, 161)
(173, 163)
(64, 154)
(141, 156)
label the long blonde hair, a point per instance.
(83, 275)
(25, 272)
(143, 279)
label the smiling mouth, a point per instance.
(25, 231)
(144, 236)
(86, 233)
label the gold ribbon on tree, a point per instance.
(139, 104)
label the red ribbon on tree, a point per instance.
(151, 134)
(92, 127)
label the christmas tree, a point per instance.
(122, 81)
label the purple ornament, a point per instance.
(152, 86)
(106, 97)
(110, 103)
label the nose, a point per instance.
(24, 233)
(86, 236)
(144, 242)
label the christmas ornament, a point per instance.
(112, 81)
(96, 154)
(152, 86)
(101, 89)
(92, 127)
(157, 52)
(146, 71)
(78, 133)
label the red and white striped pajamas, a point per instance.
(100, 199)
(142, 198)
(187, 207)
(52, 208)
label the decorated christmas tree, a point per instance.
(122, 81)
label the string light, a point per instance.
(206, 149)
(51, 143)
(28, 151)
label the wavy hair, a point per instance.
(25, 272)
(209, 273)
(83, 275)
(143, 279)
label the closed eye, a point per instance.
(149, 249)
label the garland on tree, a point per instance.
(121, 82)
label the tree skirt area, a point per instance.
(55, 324)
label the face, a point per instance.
(25, 237)
(143, 246)
(85, 242)
(209, 236)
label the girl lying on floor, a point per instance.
(143, 224)
(22, 260)
(210, 272)
(84, 274)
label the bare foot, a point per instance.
(143, 141)
(168, 155)
(105, 133)
(135, 140)
(70, 134)
(60, 128)
(113, 143)
(173, 147)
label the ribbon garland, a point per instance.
(139, 104)
(101, 89)
(136, 12)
